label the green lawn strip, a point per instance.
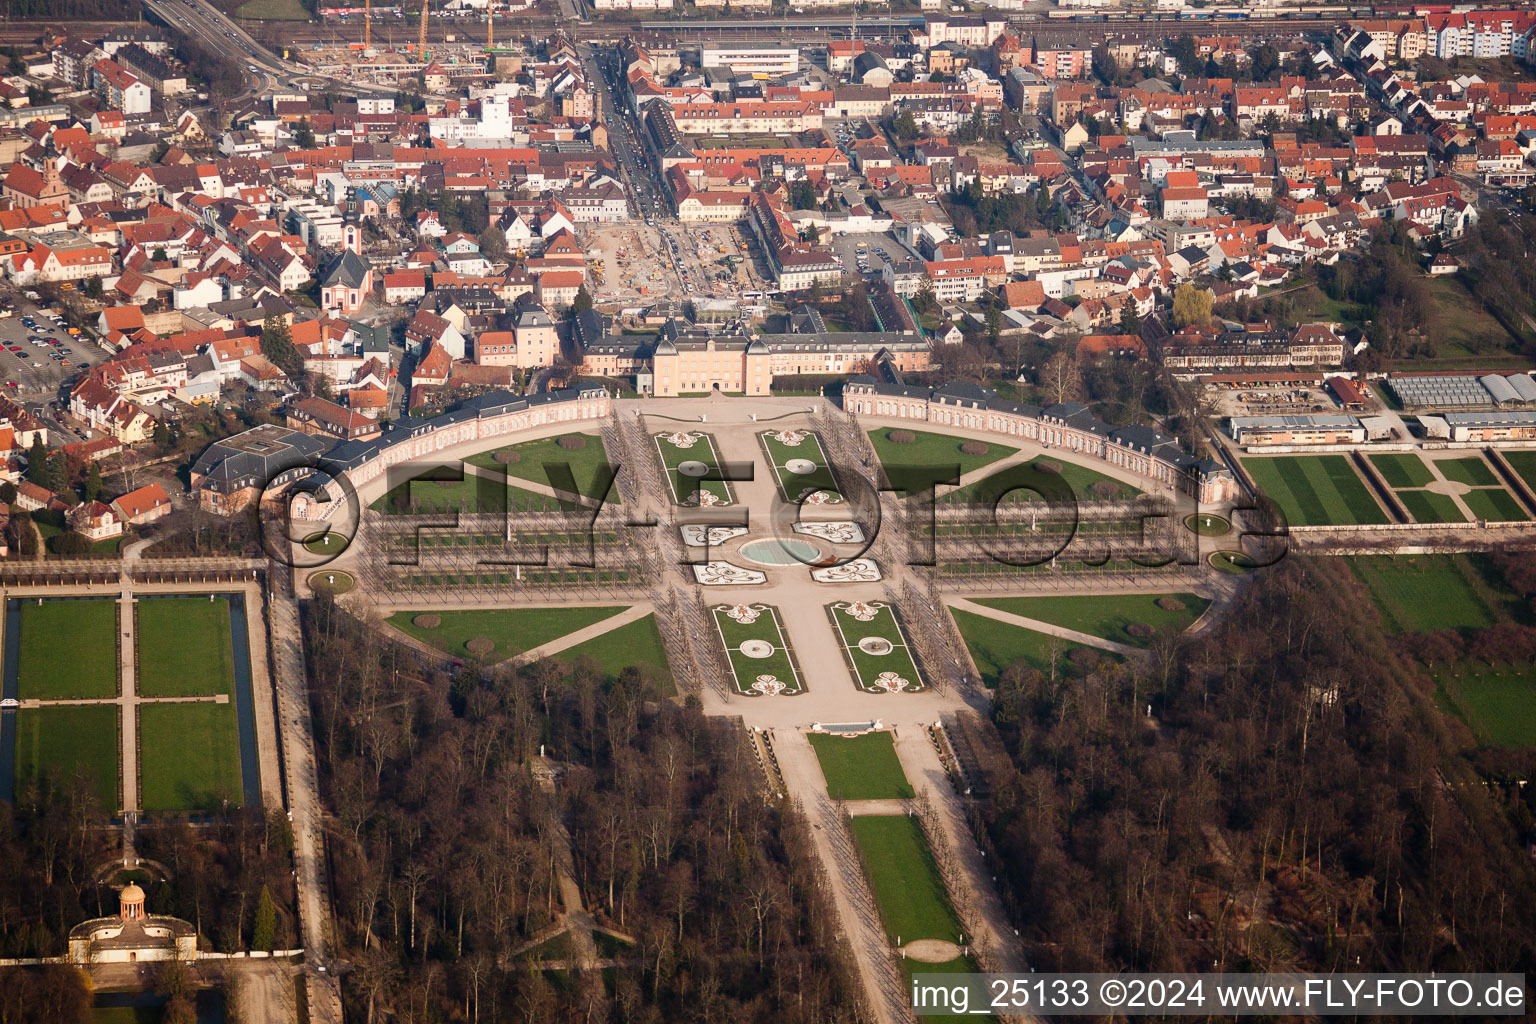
(767, 628)
(905, 880)
(1524, 465)
(1419, 593)
(962, 965)
(512, 630)
(932, 451)
(68, 649)
(995, 646)
(1106, 615)
(861, 767)
(1005, 483)
(584, 462)
(793, 485)
(635, 644)
(704, 450)
(1494, 504)
(1499, 704)
(1402, 469)
(1316, 490)
(1431, 507)
(869, 667)
(1471, 470)
(67, 739)
(185, 647)
(189, 757)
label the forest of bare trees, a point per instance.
(1295, 799)
(56, 837)
(448, 839)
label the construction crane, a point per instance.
(490, 28)
(367, 24)
(421, 42)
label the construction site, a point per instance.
(397, 46)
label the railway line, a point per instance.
(1055, 31)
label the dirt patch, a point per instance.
(931, 951)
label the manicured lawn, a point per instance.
(1085, 484)
(792, 486)
(184, 647)
(1471, 470)
(1234, 562)
(932, 451)
(443, 490)
(1106, 615)
(1419, 593)
(964, 965)
(905, 880)
(1431, 507)
(272, 10)
(861, 767)
(875, 670)
(1494, 504)
(326, 544)
(678, 447)
(1402, 469)
(1316, 490)
(1498, 703)
(1208, 524)
(189, 757)
(584, 462)
(68, 739)
(756, 674)
(331, 581)
(512, 630)
(1524, 465)
(68, 649)
(636, 644)
(994, 646)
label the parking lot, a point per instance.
(867, 263)
(36, 361)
